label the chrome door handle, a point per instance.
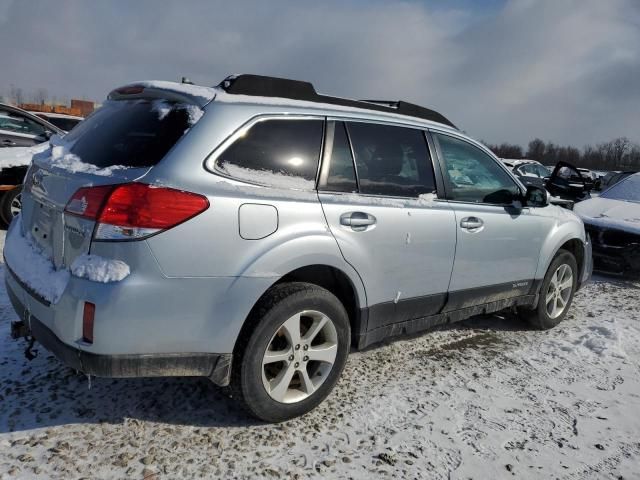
(8, 143)
(471, 223)
(358, 221)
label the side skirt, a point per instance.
(423, 323)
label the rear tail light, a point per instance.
(133, 211)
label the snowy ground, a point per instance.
(488, 398)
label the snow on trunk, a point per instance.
(99, 269)
(31, 266)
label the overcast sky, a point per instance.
(562, 70)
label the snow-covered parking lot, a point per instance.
(488, 398)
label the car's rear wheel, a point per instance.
(556, 292)
(11, 204)
(291, 353)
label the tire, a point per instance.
(11, 204)
(259, 376)
(546, 315)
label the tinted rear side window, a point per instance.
(391, 161)
(279, 153)
(340, 174)
(128, 133)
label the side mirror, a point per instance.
(536, 197)
(48, 134)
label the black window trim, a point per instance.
(432, 158)
(441, 161)
(211, 160)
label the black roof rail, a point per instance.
(262, 86)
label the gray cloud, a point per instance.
(566, 71)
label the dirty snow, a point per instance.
(488, 398)
(20, 156)
(32, 266)
(99, 269)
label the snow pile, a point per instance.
(19, 156)
(63, 159)
(99, 269)
(267, 177)
(163, 108)
(603, 340)
(29, 263)
(427, 199)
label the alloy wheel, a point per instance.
(299, 356)
(16, 205)
(559, 291)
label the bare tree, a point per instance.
(16, 95)
(535, 150)
(41, 96)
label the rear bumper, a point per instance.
(216, 367)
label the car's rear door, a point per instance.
(498, 241)
(402, 245)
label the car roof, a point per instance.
(255, 90)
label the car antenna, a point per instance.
(186, 80)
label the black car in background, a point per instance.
(565, 183)
(611, 178)
(61, 120)
(613, 222)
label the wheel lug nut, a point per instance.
(291, 358)
(298, 347)
(297, 365)
(306, 359)
(306, 347)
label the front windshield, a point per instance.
(628, 189)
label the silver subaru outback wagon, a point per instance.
(253, 232)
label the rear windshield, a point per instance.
(133, 133)
(628, 189)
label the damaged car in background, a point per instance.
(613, 221)
(566, 183)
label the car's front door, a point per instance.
(18, 130)
(386, 217)
(498, 240)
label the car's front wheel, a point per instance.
(556, 292)
(292, 351)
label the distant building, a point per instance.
(84, 106)
(80, 108)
